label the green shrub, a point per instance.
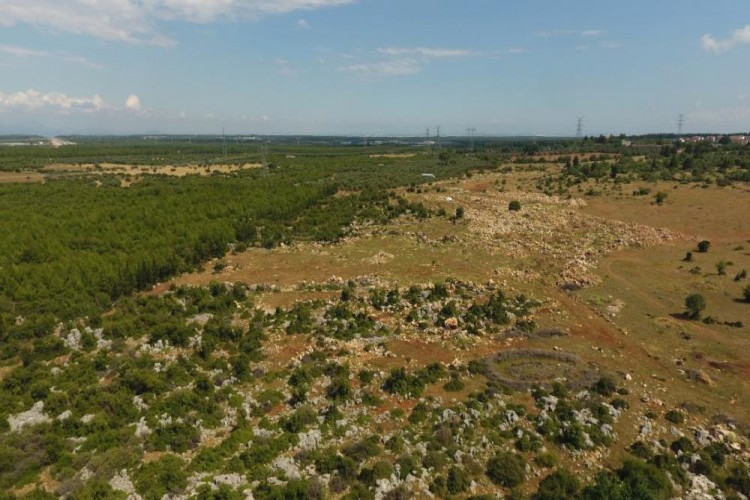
(175, 436)
(644, 480)
(400, 382)
(98, 489)
(674, 416)
(300, 419)
(640, 450)
(362, 450)
(605, 386)
(514, 206)
(695, 304)
(458, 480)
(573, 436)
(455, 384)
(559, 484)
(366, 376)
(165, 476)
(682, 444)
(340, 390)
(546, 460)
(506, 469)
(606, 486)
(739, 479)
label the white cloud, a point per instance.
(133, 103)
(302, 24)
(30, 100)
(138, 20)
(740, 36)
(13, 50)
(426, 52)
(401, 61)
(24, 52)
(375, 70)
(589, 32)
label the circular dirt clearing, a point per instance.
(525, 368)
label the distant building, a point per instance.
(738, 139)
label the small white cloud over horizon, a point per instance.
(376, 70)
(133, 103)
(739, 36)
(31, 99)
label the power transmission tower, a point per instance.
(264, 158)
(470, 132)
(427, 140)
(680, 123)
(223, 142)
(579, 127)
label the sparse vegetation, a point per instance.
(721, 268)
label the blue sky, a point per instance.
(373, 66)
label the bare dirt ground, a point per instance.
(20, 177)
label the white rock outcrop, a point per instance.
(34, 416)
